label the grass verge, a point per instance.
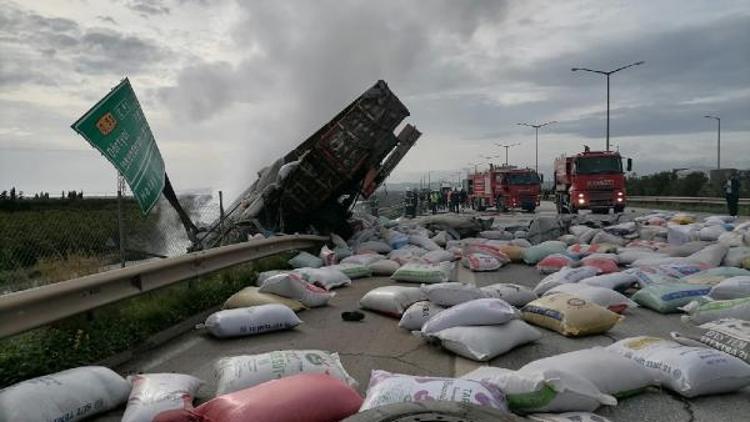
(84, 339)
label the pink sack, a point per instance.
(491, 250)
(553, 263)
(604, 263)
(304, 397)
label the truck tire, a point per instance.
(619, 209)
(432, 411)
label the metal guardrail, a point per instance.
(27, 309)
(686, 200)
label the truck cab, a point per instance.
(592, 180)
(517, 188)
(506, 187)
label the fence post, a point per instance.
(120, 221)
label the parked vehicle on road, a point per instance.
(505, 187)
(590, 180)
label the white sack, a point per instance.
(614, 281)
(689, 371)
(451, 293)
(436, 257)
(608, 371)
(565, 275)
(251, 320)
(237, 372)
(533, 393)
(325, 277)
(424, 273)
(418, 313)
(156, 393)
(70, 395)
(362, 259)
(482, 343)
(295, 287)
(602, 296)
(391, 300)
(384, 267)
(735, 256)
(514, 294)
(567, 417)
(305, 259)
(424, 242)
(388, 388)
(476, 312)
(719, 309)
(731, 288)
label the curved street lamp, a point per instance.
(601, 72)
(536, 129)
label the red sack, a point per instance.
(304, 397)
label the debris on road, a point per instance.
(238, 372)
(387, 388)
(250, 320)
(70, 395)
(665, 262)
(693, 371)
(308, 397)
(155, 393)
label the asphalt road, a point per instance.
(377, 343)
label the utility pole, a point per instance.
(536, 130)
(607, 74)
(718, 140)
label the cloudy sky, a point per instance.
(228, 86)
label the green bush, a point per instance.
(85, 339)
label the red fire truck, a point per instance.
(505, 187)
(590, 180)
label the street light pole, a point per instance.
(607, 74)
(718, 140)
(536, 129)
(507, 147)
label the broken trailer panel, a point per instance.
(312, 188)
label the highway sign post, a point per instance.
(117, 127)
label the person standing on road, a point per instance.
(434, 202)
(454, 200)
(732, 194)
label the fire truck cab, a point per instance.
(505, 187)
(590, 180)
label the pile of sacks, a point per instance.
(290, 385)
(703, 276)
(476, 323)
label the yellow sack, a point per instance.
(746, 263)
(683, 219)
(515, 253)
(250, 296)
(569, 315)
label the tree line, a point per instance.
(14, 195)
(668, 183)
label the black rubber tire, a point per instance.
(619, 209)
(433, 412)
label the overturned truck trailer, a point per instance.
(313, 187)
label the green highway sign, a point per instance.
(117, 127)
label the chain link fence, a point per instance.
(43, 241)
